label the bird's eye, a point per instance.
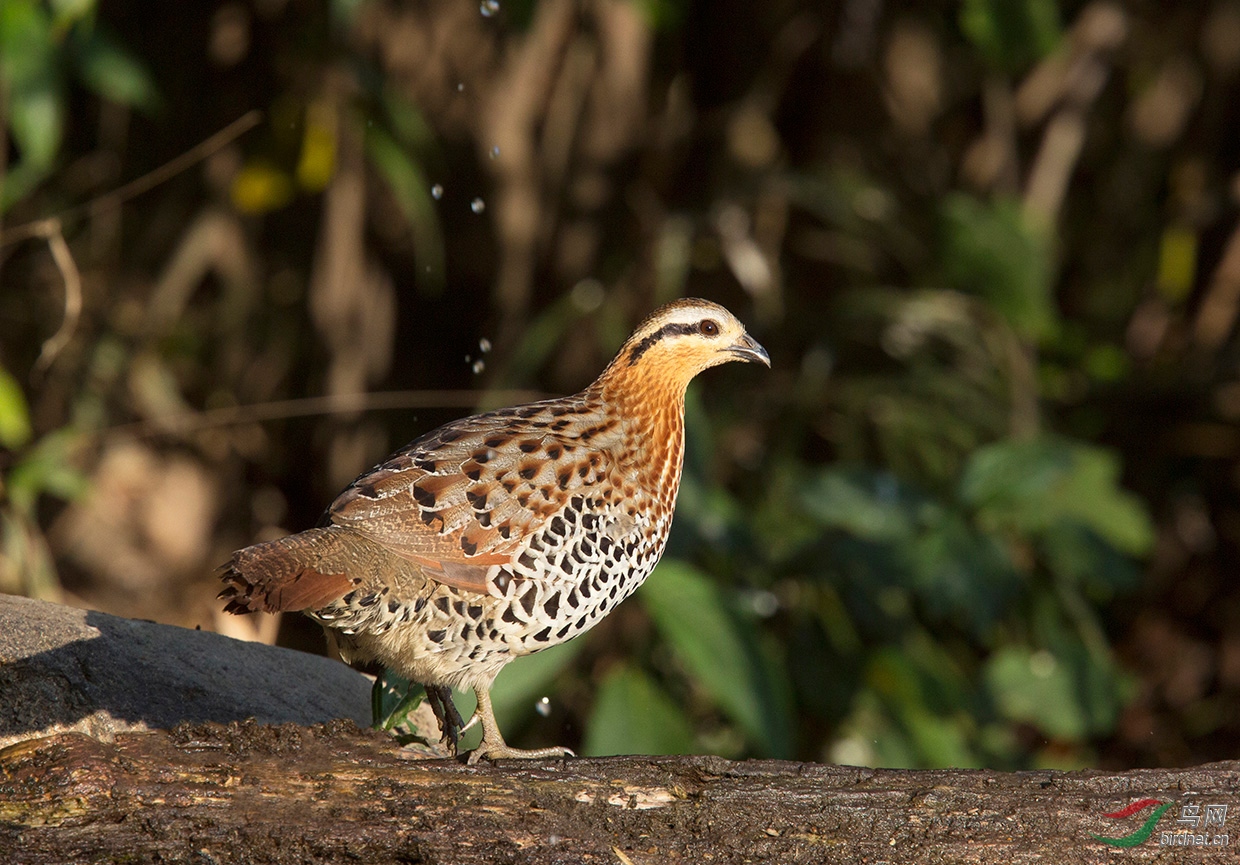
(709, 327)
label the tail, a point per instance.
(305, 571)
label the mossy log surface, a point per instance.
(245, 792)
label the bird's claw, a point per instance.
(450, 721)
(502, 751)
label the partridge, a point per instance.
(500, 535)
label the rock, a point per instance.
(64, 669)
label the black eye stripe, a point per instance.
(706, 327)
(666, 330)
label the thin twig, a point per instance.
(72, 278)
(187, 422)
(51, 228)
(146, 182)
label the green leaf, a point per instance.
(720, 648)
(663, 15)
(1037, 688)
(69, 12)
(960, 573)
(26, 564)
(540, 338)
(1003, 476)
(112, 72)
(871, 505)
(26, 44)
(1066, 683)
(411, 189)
(36, 117)
(991, 250)
(1078, 555)
(1011, 34)
(922, 690)
(392, 698)
(915, 542)
(28, 67)
(14, 414)
(633, 716)
(870, 737)
(1031, 486)
(407, 120)
(47, 469)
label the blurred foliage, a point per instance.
(43, 45)
(985, 509)
(1010, 34)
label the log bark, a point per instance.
(245, 793)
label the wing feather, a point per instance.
(461, 501)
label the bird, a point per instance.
(501, 534)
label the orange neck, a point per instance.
(651, 401)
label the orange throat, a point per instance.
(652, 406)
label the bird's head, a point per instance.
(679, 340)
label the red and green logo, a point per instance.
(1142, 834)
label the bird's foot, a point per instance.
(501, 751)
(450, 722)
(493, 746)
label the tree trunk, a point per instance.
(252, 793)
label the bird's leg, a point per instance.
(440, 698)
(493, 746)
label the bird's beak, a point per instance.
(747, 348)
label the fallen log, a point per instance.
(246, 792)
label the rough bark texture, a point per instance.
(329, 793)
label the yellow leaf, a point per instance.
(260, 187)
(317, 164)
(1177, 263)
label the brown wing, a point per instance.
(465, 497)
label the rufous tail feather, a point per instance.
(298, 572)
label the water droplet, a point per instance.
(460, 87)
(765, 604)
(479, 366)
(484, 345)
(543, 706)
(436, 192)
(495, 152)
(477, 205)
(488, 8)
(588, 295)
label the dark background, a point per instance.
(982, 511)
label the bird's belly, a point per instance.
(459, 638)
(574, 583)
